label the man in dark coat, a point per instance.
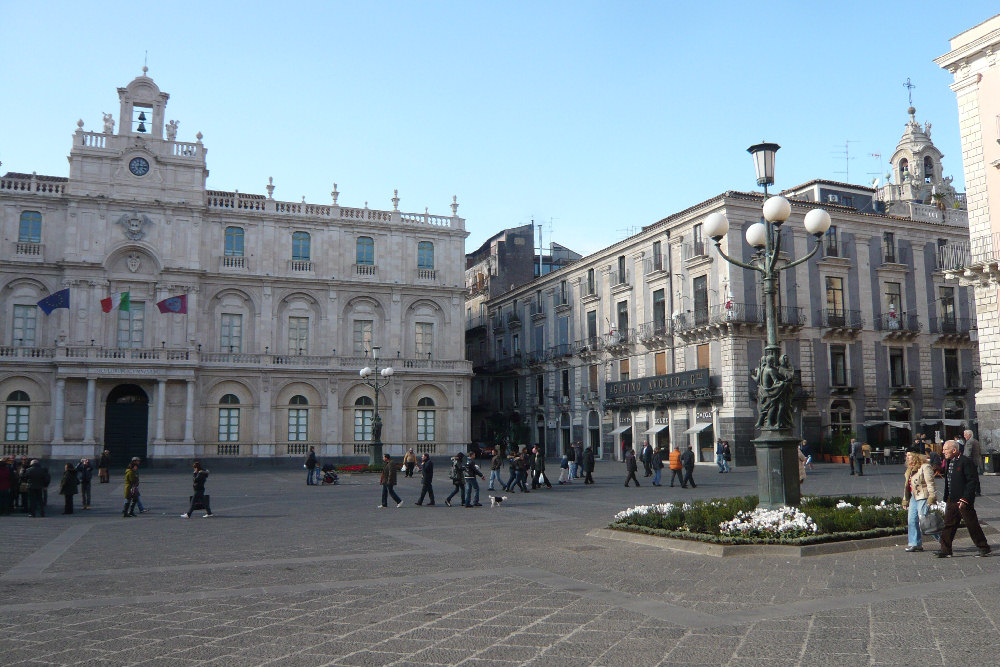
(539, 477)
(388, 481)
(588, 466)
(426, 474)
(687, 462)
(630, 467)
(37, 478)
(311, 467)
(199, 499)
(646, 456)
(7, 481)
(85, 472)
(961, 480)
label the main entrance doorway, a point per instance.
(125, 423)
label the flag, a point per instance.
(117, 301)
(55, 300)
(174, 304)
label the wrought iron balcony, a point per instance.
(960, 326)
(652, 331)
(837, 318)
(897, 322)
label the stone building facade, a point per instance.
(974, 61)
(654, 337)
(275, 308)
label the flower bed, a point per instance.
(363, 467)
(739, 521)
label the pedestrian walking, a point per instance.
(85, 472)
(495, 464)
(687, 461)
(578, 448)
(388, 481)
(588, 466)
(657, 465)
(310, 466)
(131, 488)
(471, 472)
(630, 467)
(68, 487)
(37, 478)
(974, 452)
(409, 462)
(647, 459)
(720, 455)
(919, 492)
(802, 466)
(806, 452)
(675, 467)
(457, 476)
(855, 454)
(571, 460)
(521, 477)
(199, 499)
(103, 467)
(539, 476)
(426, 475)
(961, 482)
(564, 469)
(512, 463)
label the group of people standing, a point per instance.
(24, 485)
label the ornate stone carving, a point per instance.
(134, 261)
(134, 225)
(109, 123)
(172, 130)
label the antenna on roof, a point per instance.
(846, 153)
(877, 174)
(629, 231)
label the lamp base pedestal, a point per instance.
(777, 470)
(375, 453)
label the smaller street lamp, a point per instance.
(367, 373)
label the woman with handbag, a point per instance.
(919, 487)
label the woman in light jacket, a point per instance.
(920, 488)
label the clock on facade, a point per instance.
(138, 166)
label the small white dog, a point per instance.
(496, 500)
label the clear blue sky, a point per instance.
(596, 116)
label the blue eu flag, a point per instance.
(55, 300)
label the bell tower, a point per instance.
(142, 107)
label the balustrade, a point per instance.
(426, 274)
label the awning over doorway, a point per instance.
(621, 429)
(898, 424)
(869, 424)
(655, 428)
(953, 422)
(930, 421)
(698, 428)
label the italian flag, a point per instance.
(117, 301)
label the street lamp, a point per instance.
(367, 373)
(777, 458)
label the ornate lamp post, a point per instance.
(777, 458)
(367, 373)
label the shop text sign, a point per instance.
(659, 384)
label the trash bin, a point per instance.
(991, 461)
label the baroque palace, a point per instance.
(233, 324)
(654, 337)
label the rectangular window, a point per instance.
(425, 255)
(130, 325)
(660, 363)
(591, 283)
(835, 296)
(300, 246)
(593, 377)
(952, 376)
(234, 242)
(540, 388)
(231, 333)
(298, 425)
(888, 247)
(538, 301)
(298, 335)
(893, 298)
(25, 326)
(704, 353)
(591, 327)
(897, 367)
(622, 312)
(563, 293)
(538, 338)
(517, 391)
(362, 338)
(30, 229)
(657, 256)
(424, 337)
(622, 279)
(515, 343)
(425, 425)
(698, 239)
(830, 246)
(562, 331)
(659, 311)
(365, 251)
(363, 424)
(700, 288)
(623, 369)
(565, 382)
(948, 304)
(18, 418)
(229, 424)
(838, 366)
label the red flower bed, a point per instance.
(357, 468)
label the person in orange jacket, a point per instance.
(675, 466)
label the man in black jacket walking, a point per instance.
(311, 467)
(426, 474)
(687, 461)
(199, 499)
(961, 480)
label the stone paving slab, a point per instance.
(287, 574)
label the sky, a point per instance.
(591, 118)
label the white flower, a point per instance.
(761, 522)
(843, 504)
(661, 508)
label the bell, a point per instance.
(141, 128)
(142, 115)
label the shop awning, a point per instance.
(698, 428)
(930, 421)
(899, 424)
(655, 428)
(869, 424)
(953, 422)
(621, 429)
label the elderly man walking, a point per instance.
(960, 483)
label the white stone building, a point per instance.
(284, 300)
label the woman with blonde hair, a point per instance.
(919, 477)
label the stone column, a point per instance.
(161, 401)
(189, 414)
(88, 420)
(58, 408)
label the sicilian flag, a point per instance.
(117, 301)
(55, 300)
(174, 304)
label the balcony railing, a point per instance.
(475, 322)
(560, 350)
(897, 322)
(589, 345)
(233, 262)
(365, 270)
(28, 249)
(693, 249)
(536, 309)
(513, 320)
(300, 265)
(620, 337)
(651, 330)
(654, 264)
(836, 318)
(426, 274)
(953, 325)
(620, 278)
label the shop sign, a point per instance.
(662, 387)
(704, 415)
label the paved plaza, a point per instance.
(289, 574)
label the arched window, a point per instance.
(229, 419)
(840, 417)
(298, 420)
(300, 246)
(425, 420)
(363, 415)
(928, 169)
(30, 230)
(365, 251)
(425, 255)
(234, 242)
(904, 170)
(17, 418)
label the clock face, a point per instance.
(139, 166)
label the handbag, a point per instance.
(931, 523)
(133, 493)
